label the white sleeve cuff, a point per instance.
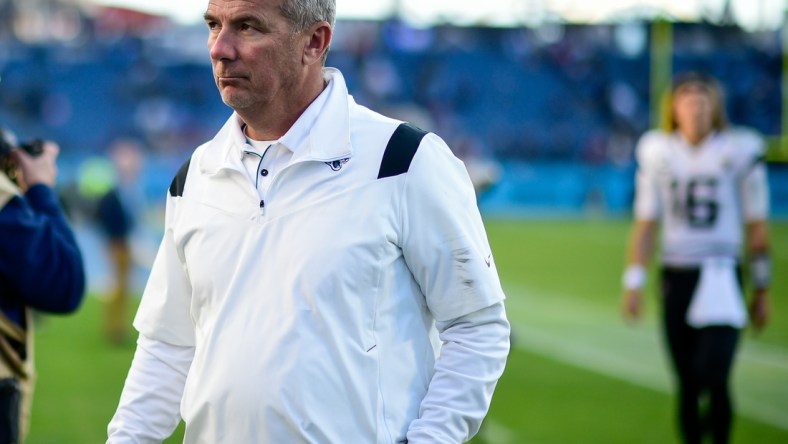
(149, 405)
(471, 361)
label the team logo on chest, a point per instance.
(337, 165)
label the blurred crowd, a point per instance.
(557, 92)
(574, 95)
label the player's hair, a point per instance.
(304, 13)
(719, 118)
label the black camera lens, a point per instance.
(33, 148)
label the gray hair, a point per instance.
(304, 13)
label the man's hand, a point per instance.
(760, 309)
(41, 169)
(632, 305)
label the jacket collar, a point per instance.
(321, 133)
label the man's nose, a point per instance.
(222, 46)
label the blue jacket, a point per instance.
(40, 263)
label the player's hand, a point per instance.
(632, 305)
(760, 309)
(41, 169)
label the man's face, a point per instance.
(255, 53)
(693, 110)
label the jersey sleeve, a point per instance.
(647, 204)
(164, 311)
(754, 185)
(442, 236)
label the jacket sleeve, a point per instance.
(445, 246)
(39, 256)
(148, 408)
(472, 359)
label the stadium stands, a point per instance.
(571, 96)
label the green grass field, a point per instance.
(576, 374)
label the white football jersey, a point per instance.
(702, 195)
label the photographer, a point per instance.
(40, 269)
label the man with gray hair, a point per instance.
(324, 275)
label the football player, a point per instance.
(704, 184)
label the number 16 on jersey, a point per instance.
(695, 201)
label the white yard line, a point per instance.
(582, 335)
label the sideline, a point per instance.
(584, 335)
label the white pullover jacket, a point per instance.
(350, 304)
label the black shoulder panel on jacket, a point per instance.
(400, 150)
(179, 181)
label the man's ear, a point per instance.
(318, 40)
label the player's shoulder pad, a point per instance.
(654, 138)
(400, 150)
(651, 145)
(746, 138)
(179, 181)
(747, 146)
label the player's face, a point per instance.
(693, 111)
(254, 52)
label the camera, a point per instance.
(8, 142)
